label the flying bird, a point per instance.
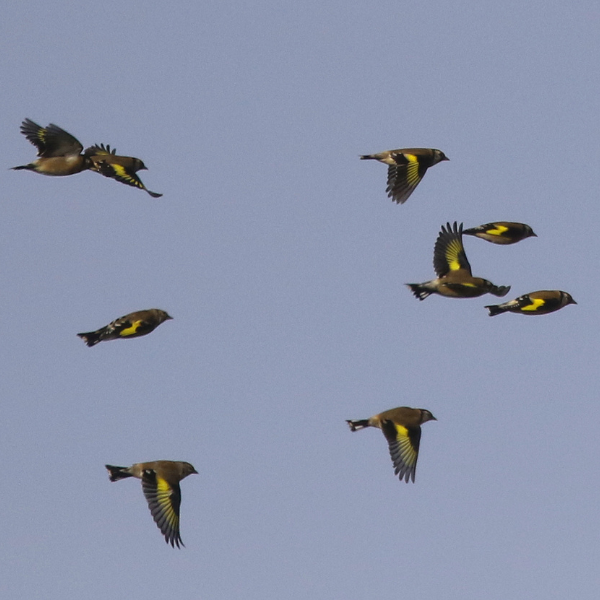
(406, 168)
(132, 325)
(454, 271)
(402, 429)
(122, 168)
(534, 303)
(160, 484)
(501, 232)
(58, 151)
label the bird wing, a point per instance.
(449, 252)
(164, 501)
(119, 172)
(404, 448)
(404, 176)
(50, 141)
(528, 304)
(130, 326)
(100, 150)
(116, 171)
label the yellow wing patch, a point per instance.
(500, 229)
(453, 251)
(412, 170)
(407, 452)
(163, 497)
(119, 170)
(132, 329)
(535, 304)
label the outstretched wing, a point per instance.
(100, 150)
(50, 141)
(404, 448)
(116, 171)
(164, 501)
(449, 252)
(404, 176)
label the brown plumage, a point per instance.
(534, 303)
(402, 429)
(122, 168)
(133, 325)
(501, 232)
(454, 271)
(160, 484)
(59, 152)
(406, 168)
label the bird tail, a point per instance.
(358, 425)
(116, 473)
(153, 194)
(368, 157)
(419, 290)
(91, 338)
(496, 309)
(500, 290)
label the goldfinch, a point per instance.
(160, 484)
(402, 429)
(454, 271)
(407, 166)
(535, 303)
(122, 168)
(132, 325)
(501, 232)
(59, 152)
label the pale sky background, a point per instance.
(283, 264)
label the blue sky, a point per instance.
(283, 264)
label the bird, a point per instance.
(534, 303)
(407, 166)
(58, 151)
(160, 484)
(501, 232)
(134, 324)
(454, 271)
(122, 168)
(402, 429)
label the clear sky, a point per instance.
(283, 264)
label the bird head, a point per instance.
(139, 165)
(188, 469)
(439, 156)
(426, 416)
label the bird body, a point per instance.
(454, 271)
(501, 232)
(58, 151)
(406, 168)
(534, 303)
(107, 162)
(402, 429)
(160, 484)
(132, 325)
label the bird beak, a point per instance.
(194, 472)
(169, 318)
